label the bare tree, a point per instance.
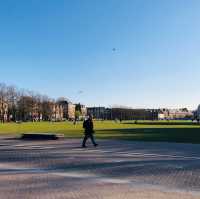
(12, 97)
(38, 98)
(23, 105)
(47, 108)
(2, 102)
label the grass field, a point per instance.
(172, 131)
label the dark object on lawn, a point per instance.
(41, 136)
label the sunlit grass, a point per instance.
(173, 131)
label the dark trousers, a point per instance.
(89, 135)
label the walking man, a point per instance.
(89, 131)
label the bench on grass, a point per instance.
(41, 136)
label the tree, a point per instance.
(47, 107)
(39, 106)
(25, 108)
(19, 104)
(12, 97)
(78, 107)
(2, 102)
(77, 114)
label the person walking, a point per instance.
(89, 131)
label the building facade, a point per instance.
(57, 112)
(67, 108)
(134, 114)
(175, 114)
(97, 112)
(83, 110)
(123, 113)
(196, 114)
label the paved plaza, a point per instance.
(115, 170)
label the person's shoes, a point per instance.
(84, 146)
(96, 145)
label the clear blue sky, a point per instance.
(59, 47)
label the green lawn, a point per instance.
(172, 131)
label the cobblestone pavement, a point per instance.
(115, 170)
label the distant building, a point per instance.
(161, 116)
(58, 112)
(68, 109)
(196, 114)
(175, 114)
(123, 113)
(108, 114)
(97, 112)
(83, 110)
(134, 114)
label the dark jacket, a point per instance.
(88, 126)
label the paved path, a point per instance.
(115, 170)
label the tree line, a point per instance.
(24, 105)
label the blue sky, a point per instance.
(61, 47)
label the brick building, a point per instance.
(67, 108)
